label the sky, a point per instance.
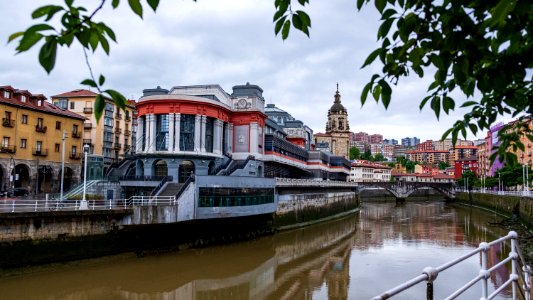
(232, 42)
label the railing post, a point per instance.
(514, 264)
(483, 272)
(12, 205)
(527, 282)
(35, 206)
(431, 274)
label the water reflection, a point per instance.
(354, 258)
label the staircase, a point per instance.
(79, 189)
(170, 189)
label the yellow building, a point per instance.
(31, 140)
(111, 137)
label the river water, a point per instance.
(357, 257)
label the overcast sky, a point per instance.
(231, 42)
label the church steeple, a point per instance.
(337, 115)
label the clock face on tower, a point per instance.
(241, 103)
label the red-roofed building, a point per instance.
(365, 171)
(31, 140)
(465, 164)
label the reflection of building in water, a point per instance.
(304, 260)
(412, 221)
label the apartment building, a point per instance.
(113, 135)
(365, 171)
(32, 135)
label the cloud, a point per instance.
(231, 42)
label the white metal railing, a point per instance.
(311, 182)
(519, 278)
(25, 205)
(507, 193)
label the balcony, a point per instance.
(87, 125)
(117, 146)
(87, 141)
(87, 110)
(118, 130)
(127, 132)
(40, 128)
(8, 149)
(76, 135)
(39, 152)
(118, 116)
(75, 156)
(6, 122)
(127, 118)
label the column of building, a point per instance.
(254, 133)
(140, 136)
(217, 137)
(171, 132)
(153, 133)
(203, 121)
(197, 132)
(177, 131)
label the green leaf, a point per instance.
(99, 104)
(49, 11)
(435, 105)
(115, 3)
(424, 101)
(108, 31)
(136, 7)
(364, 94)
(279, 25)
(469, 103)
(388, 13)
(47, 55)
(385, 28)
(448, 104)
(153, 4)
(376, 92)
(118, 98)
(28, 40)
(371, 57)
(89, 82)
(104, 43)
(360, 4)
(14, 36)
(385, 93)
(501, 10)
(285, 30)
(306, 20)
(433, 85)
(296, 22)
(380, 4)
(101, 80)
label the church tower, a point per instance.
(337, 128)
(337, 116)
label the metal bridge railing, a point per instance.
(519, 278)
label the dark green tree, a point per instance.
(410, 166)
(443, 165)
(367, 155)
(472, 179)
(354, 153)
(379, 157)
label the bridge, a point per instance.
(400, 189)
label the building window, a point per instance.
(73, 151)
(57, 147)
(187, 132)
(72, 106)
(38, 145)
(24, 119)
(23, 143)
(23, 99)
(61, 103)
(7, 94)
(58, 125)
(162, 133)
(40, 122)
(5, 142)
(209, 124)
(74, 129)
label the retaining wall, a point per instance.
(507, 205)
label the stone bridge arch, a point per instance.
(402, 190)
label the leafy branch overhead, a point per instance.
(478, 53)
(76, 24)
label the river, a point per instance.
(357, 257)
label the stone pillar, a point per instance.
(197, 133)
(171, 132)
(254, 133)
(153, 133)
(217, 137)
(148, 137)
(230, 138)
(203, 122)
(177, 131)
(140, 137)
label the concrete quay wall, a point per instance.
(522, 207)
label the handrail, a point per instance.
(239, 165)
(184, 186)
(429, 274)
(160, 185)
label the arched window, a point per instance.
(186, 169)
(160, 168)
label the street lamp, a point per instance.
(83, 204)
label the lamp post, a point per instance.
(499, 182)
(83, 204)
